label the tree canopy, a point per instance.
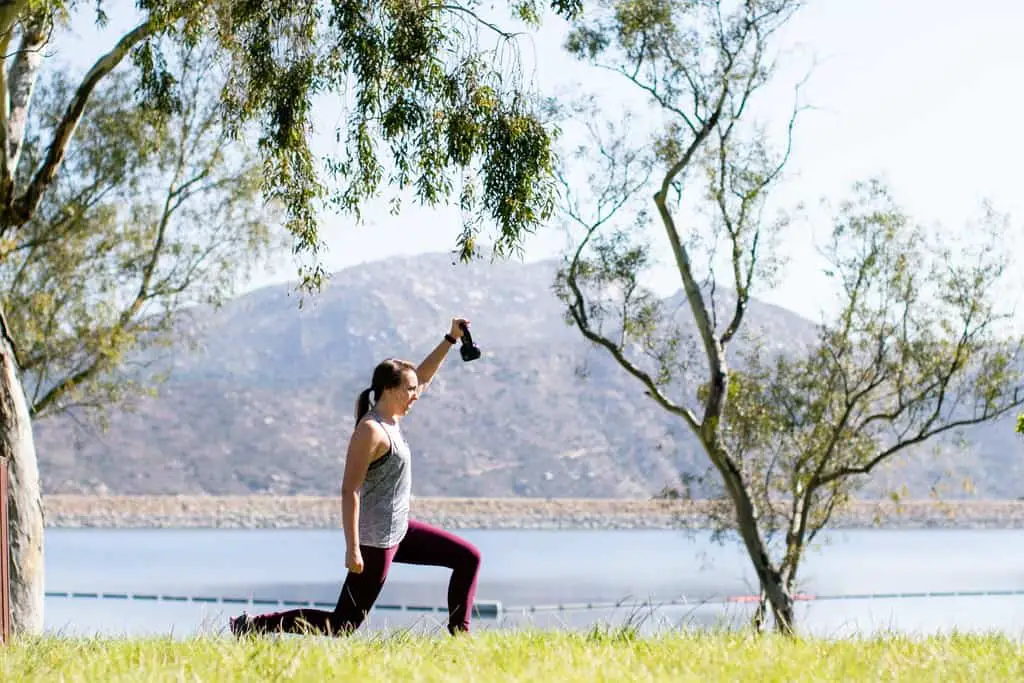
(152, 215)
(428, 108)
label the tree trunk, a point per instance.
(783, 613)
(760, 614)
(25, 506)
(768, 576)
(785, 621)
(772, 586)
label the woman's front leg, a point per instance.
(425, 544)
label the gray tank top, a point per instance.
(386, 492)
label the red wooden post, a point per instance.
(5, 551)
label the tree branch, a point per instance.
(172, 201)
(26, 205)
(807, 532)
(6, 173)
(923, 435)
(578, 310)
(833, 502)
(682, 257)
(853, 395)
(940, 383)
(22, 79)
(5, 334)
(653, 92)
(69, 383)
(62, 227)
(743, 285)
(459, 9)
(10, 12)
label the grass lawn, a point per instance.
(559, 657)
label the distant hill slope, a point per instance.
(265, 405)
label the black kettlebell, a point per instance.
(469, 350)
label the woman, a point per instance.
(375, 496)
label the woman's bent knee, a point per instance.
(471, 557)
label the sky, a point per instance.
(921, 93)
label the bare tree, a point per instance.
(700, 64)
(915, 352)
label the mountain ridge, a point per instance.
(264, 404)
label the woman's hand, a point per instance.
(354, 561)
(456, 330)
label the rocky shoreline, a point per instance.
(309, 512)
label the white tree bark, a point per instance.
(21, 84)
(44, 176)
(10, 13)
(25, 505)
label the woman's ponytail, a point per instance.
(363, 404)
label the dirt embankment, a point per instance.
(265, 511)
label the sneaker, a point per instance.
(241, 625)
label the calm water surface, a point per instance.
(525, 568)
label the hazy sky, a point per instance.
(920, 92)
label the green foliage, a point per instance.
(1020, 423)
(152, 215)
(427, 109)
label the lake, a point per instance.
(531, 572)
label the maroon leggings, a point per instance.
(423, 544)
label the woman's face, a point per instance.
(406, 393)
